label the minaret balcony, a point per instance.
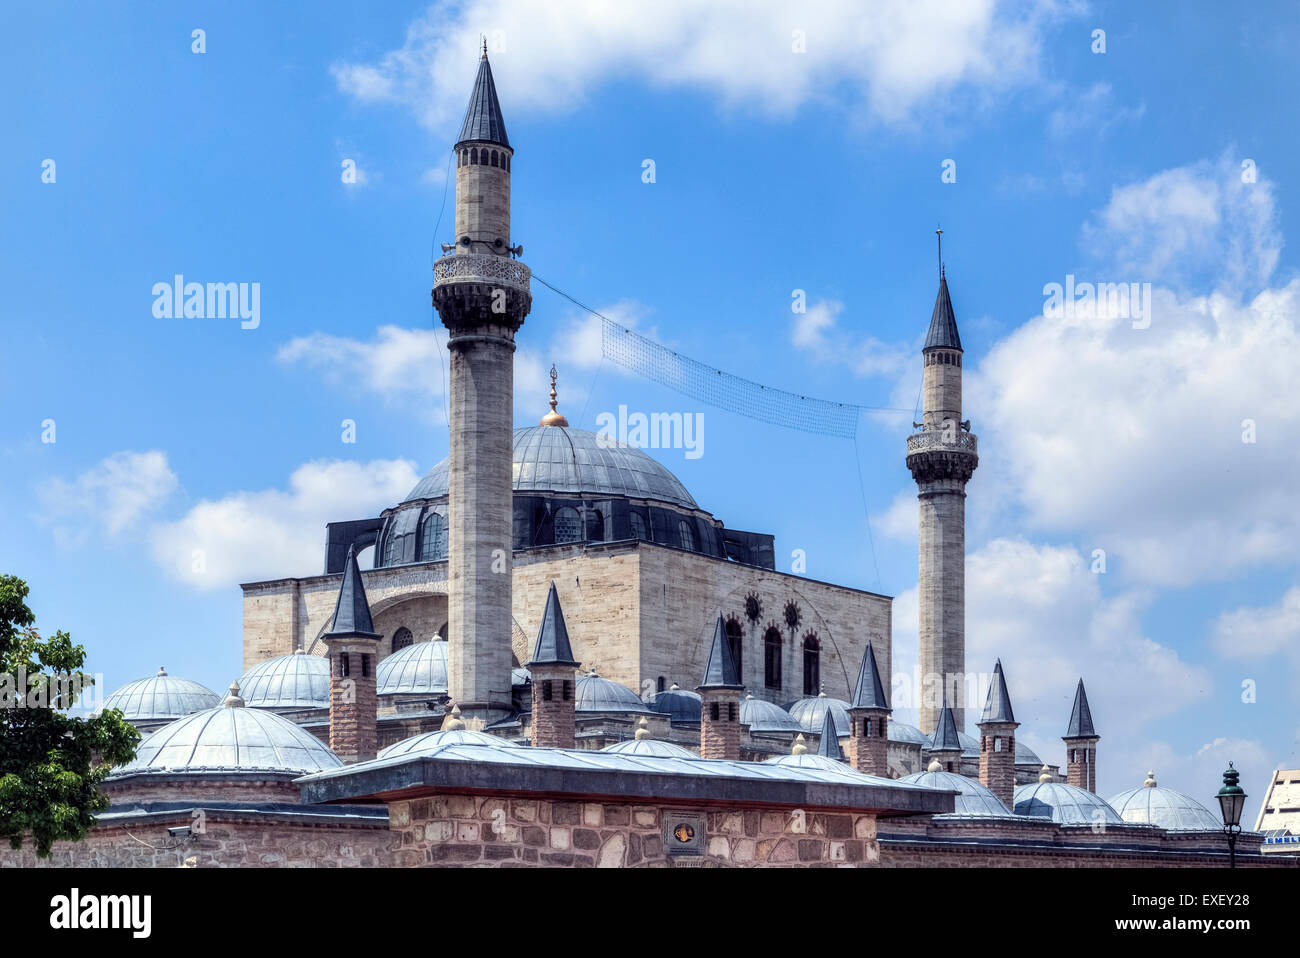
(937, 456)
(482, 269)
(937, 440)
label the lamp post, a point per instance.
(1231, 800)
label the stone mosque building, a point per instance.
(561, 658)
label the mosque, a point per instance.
(561, 658)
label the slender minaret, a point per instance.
(942, 457)
(482, 294)
(998, 740)
(1081, 740)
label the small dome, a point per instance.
(813, 760)
(225, 738)
(681, 705)
(649, 746)
(595, 694)
(416, 669)
(975, 799)
(1063, 803)
(810, 713)
(429, 741)
(763, 716)
(907, 734)
(161, 697)
(1154, 805)
(296, 681)
(1026, 756)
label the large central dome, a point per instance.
(561, 459)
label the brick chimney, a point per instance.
(552, 669)
(353, 645)
(1081, 740)
(998, 741)
(869, 720)
(720, 691)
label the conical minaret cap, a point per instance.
(352, 611)
(829, 744)
(721, 671)
(483, 120)
(552, 645)
(1081, 716)
(997, 707)
(943, 324)
(945, 736)
(870, 691)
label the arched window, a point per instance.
(402, 638)
(812, 664)
(433, 539)
(595, 526)
(772, 658)
(638, 525)
(568, 525)
(736, 642)
(473, 155)
(494, 158)
(687, 535)
(660, 684)
(392, 549)
(506, 160)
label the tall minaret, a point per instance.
(482, 295)
(942, 457)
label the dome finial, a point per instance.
(799, 745)
(233, 701)
(642, 729)
(1151, 780)
(453, 721)
(1045, 774)
(161, 671)
(934, 766)
(553, 418)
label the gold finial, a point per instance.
(1151, 780)
(553, 418)
(453, 720)
(1045, 775)
(799, 746)
(642, 730)
(934, 766)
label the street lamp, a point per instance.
(1231, 800)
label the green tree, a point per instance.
(51, 763)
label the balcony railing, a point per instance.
(935, 439)
(482, 268)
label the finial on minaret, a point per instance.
(483, 37)
(939, 234)
(553, 418)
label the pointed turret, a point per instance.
(998, 740)
(829, 744)
(720, 700)
(483, 120)
(1080, 716)
(552, 665)
(869, 719)
(870, 691)
(353, 646)
(946, 746)
(1081, 740)
(943, 324)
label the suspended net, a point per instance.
(657, 363)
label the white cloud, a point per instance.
(247, 536)
(1249, 632)
(896, 56)
(1040, 609)
(901, 520)
(117, 493)
(817, 331)
(1092, 113)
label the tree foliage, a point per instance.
(51, 762)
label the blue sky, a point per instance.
(775, 171)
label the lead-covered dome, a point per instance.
(562, 459)
(810, 713)
(297, 681)
(651, 747)
(595, 694)
(680, 705)
(763, 716)
(417, 669)
(161, 697)
(907, 734)
(229, 738)
(974, 798)
(429, 741)
(1066, 804)
(1153, 805)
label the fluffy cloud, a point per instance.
(117, 493)
(1257, 634)
(895, 57)
(817, 332)
(1134, 437)
(1041, 610)
(246, 536)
